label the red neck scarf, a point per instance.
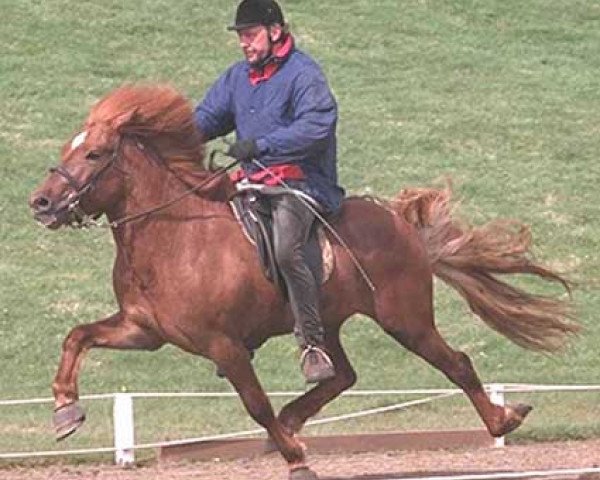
(279, 55)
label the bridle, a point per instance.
(79, 219)
(71, 203)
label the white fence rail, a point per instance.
(124, 426)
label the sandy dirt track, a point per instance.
(544, 456)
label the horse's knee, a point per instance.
(293, 415)
(75, 339)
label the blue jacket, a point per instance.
(292, 116)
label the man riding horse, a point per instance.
(283, 112)
(184, 274)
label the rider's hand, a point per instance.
(243, 150)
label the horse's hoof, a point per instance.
(303, 473)
(67, 419)
(514, 416)
(522, 410)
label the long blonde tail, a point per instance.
(470, 259)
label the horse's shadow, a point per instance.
(396, 475)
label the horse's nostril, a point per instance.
(41, 203)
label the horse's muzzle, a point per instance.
(45, 212)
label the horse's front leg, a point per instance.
(116, 331)
(233, 360)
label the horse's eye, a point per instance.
(93, 155)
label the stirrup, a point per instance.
(316, 365)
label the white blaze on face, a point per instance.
(78, 140)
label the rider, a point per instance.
(284, 114)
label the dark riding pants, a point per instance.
(292, 222)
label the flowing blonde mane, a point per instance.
(158, 112)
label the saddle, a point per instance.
(252, 209)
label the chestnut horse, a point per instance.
(185, 274)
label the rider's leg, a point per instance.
(292, 221)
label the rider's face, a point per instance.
(255, 42)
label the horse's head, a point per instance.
(89, 179)
(71, 191)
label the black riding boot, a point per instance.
(292, 222)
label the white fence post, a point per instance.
(497, 397)
(123, 429)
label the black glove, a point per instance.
(243, 150)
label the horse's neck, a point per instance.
(149, 181)
(152, 183)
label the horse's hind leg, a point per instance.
(294, 414)
(111, 332)
(233, 360)
(408, 317)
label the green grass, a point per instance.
(501, 96)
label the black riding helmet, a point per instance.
(251, 13)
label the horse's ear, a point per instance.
(123, 119)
